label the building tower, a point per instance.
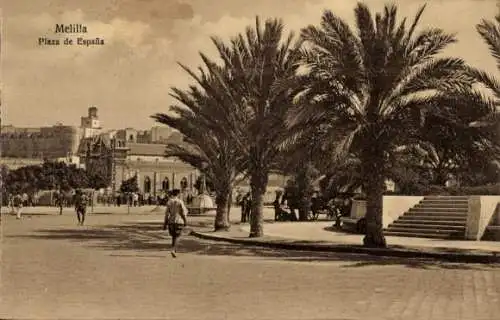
(90, 124)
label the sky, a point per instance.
(130, 76)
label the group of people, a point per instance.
(80, 200)
(245, 202)
(175, 214)
(137, 199)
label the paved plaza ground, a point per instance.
(323, 232)
(118, 266)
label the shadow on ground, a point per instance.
(145, 238)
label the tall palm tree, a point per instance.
(257, 60)
(490, 32)
(378, 85)
(200, 118)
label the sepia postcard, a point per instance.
(250, 159)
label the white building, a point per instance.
(90, 124)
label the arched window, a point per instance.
(184, 183)
(147, 185)
(165, 185)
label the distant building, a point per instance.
(54, 142)
(157, 135)
(160, 134)
(90, 125)
(115, 155)
(118, 160)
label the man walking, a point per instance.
(175, 219)
(80, 206)
(60, 201)
(18, 205)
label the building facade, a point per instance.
(90, 125)
(118, 160)
(54, 142)
(115, 155)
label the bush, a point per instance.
(485, 190)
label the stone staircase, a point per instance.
(440, 217)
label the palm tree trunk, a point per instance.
(229, 205)
(222, 212)
(258, 184)
(374, 188)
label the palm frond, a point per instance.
(490, 32)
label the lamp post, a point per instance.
(113, 166)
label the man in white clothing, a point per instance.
(175, 218)
(18, 205)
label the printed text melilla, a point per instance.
(70, 29)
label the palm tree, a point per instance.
(257, 61)
(206, 146)
(490, 32)
(378, 86)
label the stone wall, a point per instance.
(50, 142)
(392, 208)
(482, 210)
(395, 206)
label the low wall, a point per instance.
(395, 206)
(392, 208)
(482, 210)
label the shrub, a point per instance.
(485, 190)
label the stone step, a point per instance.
(437, 217)
(447, 198)
(436, 227)
(440, 210)
(443, 204)
(432, 222)
(438, 207)
(425, 230)
(436, 213)
(415, 235)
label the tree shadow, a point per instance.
(143, 239)
(335, 229)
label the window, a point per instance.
(147, 184)
(184, 183)
(165, 185)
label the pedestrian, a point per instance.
(18, 205)
(60, 201)
(175, 219)
(135, 197)
(25, 199)
(11, 204)
(81, 201)
(248, 206)
(277, 206)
